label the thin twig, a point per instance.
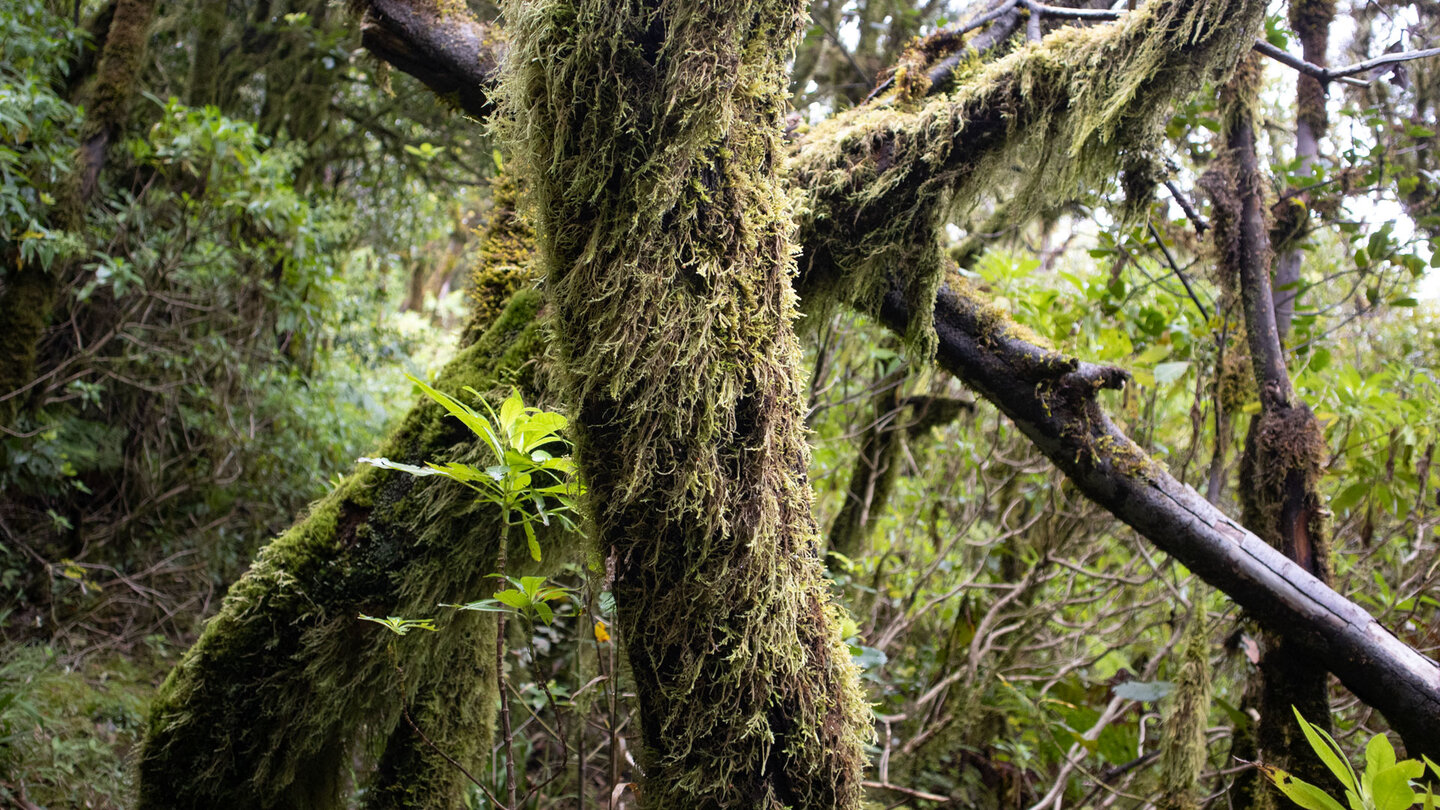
(1178, 272)
(1188, 207)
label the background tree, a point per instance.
(1018, 642)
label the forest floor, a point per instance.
(68, 725)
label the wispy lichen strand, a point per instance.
(1042, 125)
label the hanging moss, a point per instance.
(269, 707)
(1182, 742)
(1042, 124)
(649, 135)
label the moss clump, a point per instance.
(25, 312)
(1182, 741)
(504, 263)
(267, 709)
(649, 134)
(1041, 124)
(1285, 452)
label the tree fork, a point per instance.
(1285, 446)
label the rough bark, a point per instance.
(1311, 20)
(651, 136)
(438, 42)
(200, 86)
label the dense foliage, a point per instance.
(285, 227)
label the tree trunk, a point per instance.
(267, 709)
(651, 133)
(1285, 447)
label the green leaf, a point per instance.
(1351, 496)
(1329, 752)
(480, 606)
(1170, 372)
(400, 626)
(544, 612)
(514, 598)
(512, 410)
(530, 540)
(1390, 787)
(1299, 791)
(1143, 691)
(477, 424)
(1379, 753)
(387, 464)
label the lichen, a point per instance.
(1182, 736)
(285, 688)
(1038, 125)
(648, 134)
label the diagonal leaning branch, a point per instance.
(876, 185)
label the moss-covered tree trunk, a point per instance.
(651, 132)
(286, 686)
(1284, 449)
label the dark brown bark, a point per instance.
(1051, 398)
(438, 42)
(1284, 449)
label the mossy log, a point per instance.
(285, 684)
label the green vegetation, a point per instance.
(304, 308)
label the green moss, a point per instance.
(119, 67)
(271, 705)
(24, 314)
(1182, 740)
(649, 135)
(505, 259)
(1038, 126)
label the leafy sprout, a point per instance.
(528, 481)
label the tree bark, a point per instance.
(1285, 447)
(1311, 20)
(651, 136)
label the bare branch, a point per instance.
(440, 44)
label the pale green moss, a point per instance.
(649, 134)
(1182, 737)
(1039, 126)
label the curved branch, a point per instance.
(439, 43)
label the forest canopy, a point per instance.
(719, 404)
